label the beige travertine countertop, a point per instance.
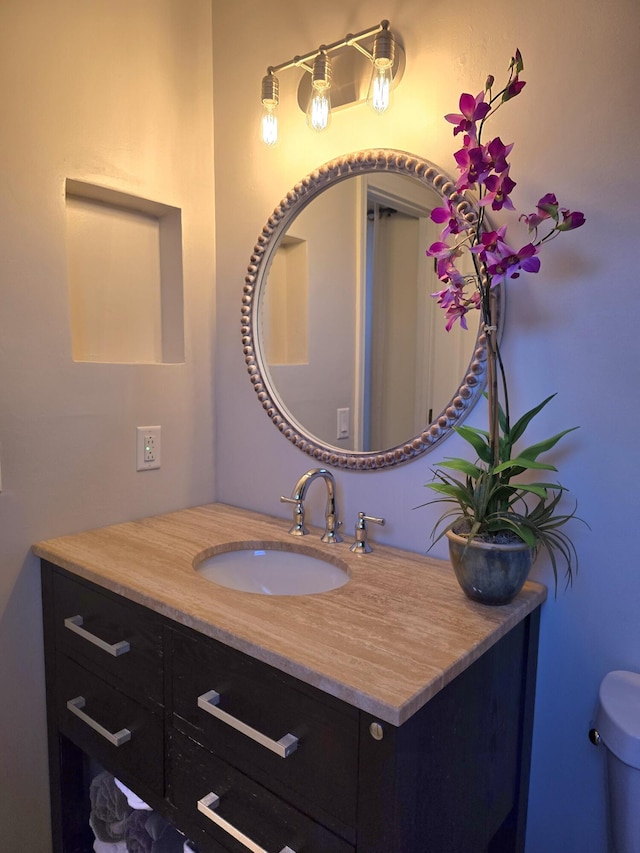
(386, 642)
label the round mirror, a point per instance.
(345, 347)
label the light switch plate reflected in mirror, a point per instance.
(343, 424)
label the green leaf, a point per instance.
(542, 446)
(463, 465)
(454, 492)
(481, 432)
(478, 440)
(524, 463)
(444, 488)
(517, 430)
(534, 489)
(523, 532)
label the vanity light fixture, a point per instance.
(370, 79)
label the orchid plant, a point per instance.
(487, 503)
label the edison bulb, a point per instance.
(319, 112)
(270, 97)
(379, 95)
(269, 124)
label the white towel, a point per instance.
(133, 799)
(109, 846)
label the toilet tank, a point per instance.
(618, 724)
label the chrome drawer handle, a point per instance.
(117, 739)
(207, 805)
(74, 623)
(283, 747)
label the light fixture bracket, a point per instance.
(351, 73)
(355, 64)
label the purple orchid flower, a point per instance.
(498, 189)
(548, 208)
(475, 165)
(498, 152)
(532, 220)
(501, 267)
(472, 110)
(570, 220)
(492, 242)
(514, 87)
(440, 250)
(484, 168)
(446, 269)
(448, 214)
(455, 305)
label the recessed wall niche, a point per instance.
(125, 277)
(286, 305)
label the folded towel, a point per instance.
(132, 798)
(109, 847)
(136, 836)
(109, 808)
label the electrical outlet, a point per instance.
(148, 451)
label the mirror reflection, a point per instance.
(345, 346)
(352, 340)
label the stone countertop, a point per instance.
(386, 642)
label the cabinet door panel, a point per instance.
(105, 711)
(320, 775)
(250, 814)
(108, 621)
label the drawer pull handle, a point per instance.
(283, 747)
(208, 804)
(117, 739)
(74, 623)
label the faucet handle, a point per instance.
(361, 546)
(331, 534)
(298, 528)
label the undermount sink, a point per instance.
(272, 568)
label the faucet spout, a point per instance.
(298, 495)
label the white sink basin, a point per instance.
(268, 569)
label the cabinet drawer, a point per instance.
(250, 814)
(110, 635)
(120, 733)
(260, 707)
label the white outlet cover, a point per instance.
(148, 449)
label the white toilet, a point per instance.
(617, 726)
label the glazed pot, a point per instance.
(489, 572)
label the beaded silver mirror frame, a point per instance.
(470, 388)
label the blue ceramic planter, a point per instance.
(487, 572)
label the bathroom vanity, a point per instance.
(390, 715)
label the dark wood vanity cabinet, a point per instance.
(240, 756)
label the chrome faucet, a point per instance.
(297, 499)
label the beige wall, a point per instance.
(118, 94)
